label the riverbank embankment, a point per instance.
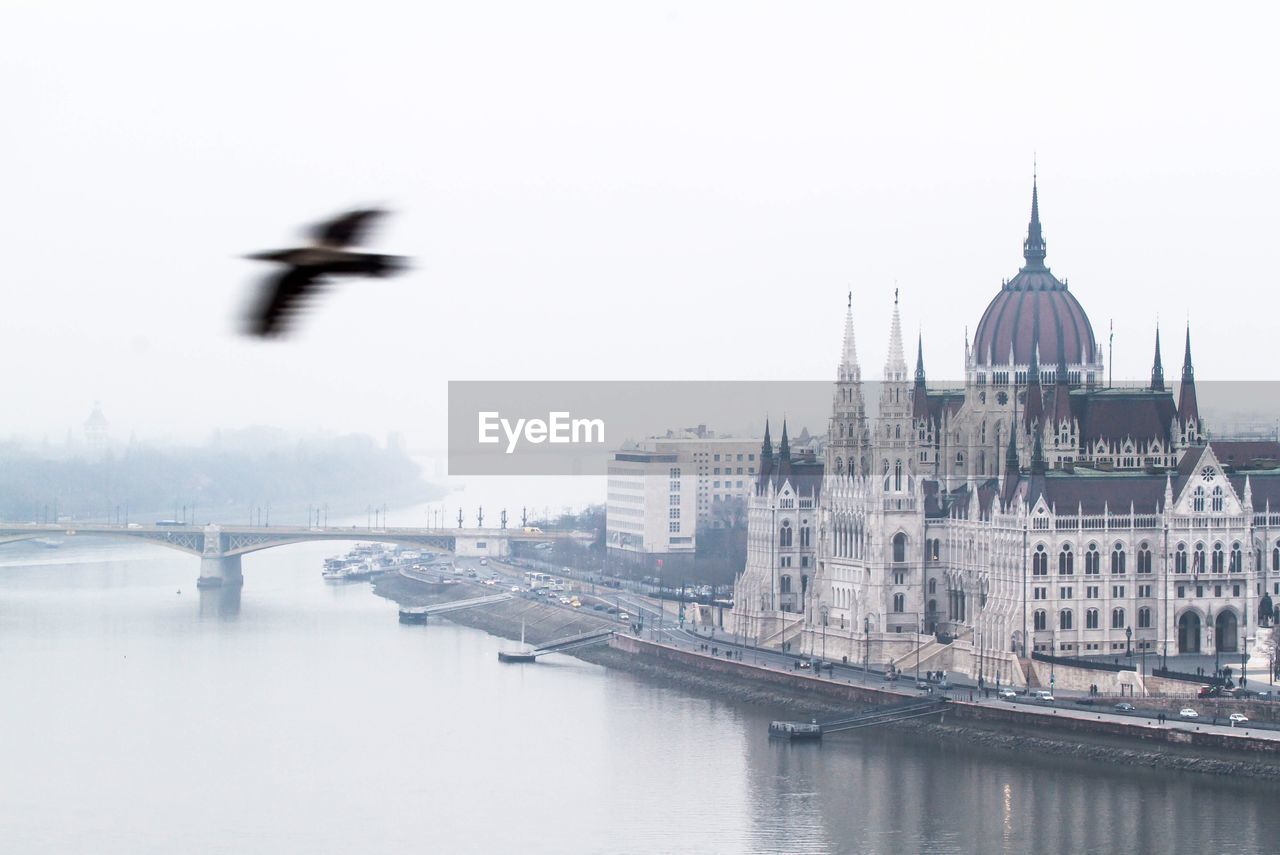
(803, 696)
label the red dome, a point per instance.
(1034, 306)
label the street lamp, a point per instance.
(1128, 641)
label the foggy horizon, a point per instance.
(556, 172)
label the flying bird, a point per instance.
(308, 268)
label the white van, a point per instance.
(1043, 695)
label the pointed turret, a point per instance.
(784, 455)
(895, 366)
(766, 458)
(1037, 456)
(1157, 369)
(919, 393)
(849, 370)
(1033, 248)
(1011, 473)
(1060, 408)
(1033, 414)
(1188, 409)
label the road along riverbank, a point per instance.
(1075, 736)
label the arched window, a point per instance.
(899, 602)
(1237, 558)
(1197, 559)
(1064, 619)
(1275, 559)
(1197, 500)
(933, 586)
(1040, 619)
(1066, 561)
(805, 535)
(784, 533)
(1217, 500)
(1180, 558)
(1144, 558)
(1117, 558)
(1117, 618)
(1091, 619)
(785, 584)
(1218, 558)
(900, 547)
(1040, 561)
(1092, 560)
(1144, 618)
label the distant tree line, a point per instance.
(223, 479)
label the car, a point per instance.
(489, 582)
(921, 685)
(564, 601)
(598, 607)
(1238, 718)
(1007, 694)
(484, 562)
(1188, 712)
(1043, 695)
(1124, 707)
(624, 617)
(515, 589)
(805, 663)
(612, 610)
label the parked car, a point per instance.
(1007, 694)
(1188, 712)
(1124, 707)
(1238, 718)
(624, 617)
(1043, 695)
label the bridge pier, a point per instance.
(217, 571)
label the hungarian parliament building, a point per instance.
(1035, 509)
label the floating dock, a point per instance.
(887, 714)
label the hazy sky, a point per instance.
(603, 190)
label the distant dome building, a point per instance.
(1035, 309)
(96, 427)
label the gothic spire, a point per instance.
(1188, 409)
(1033, 248)
(919, 393)
(784, 455)
(895, 366)
(1033, 414)
(1037, 456)
(849, 369)
(766, 450)
(1011, 456)
(920, 360)
(1157, 369)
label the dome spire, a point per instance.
(1033, 248)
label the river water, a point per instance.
(302, 717)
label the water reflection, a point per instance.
(221, 602)
(314, 721)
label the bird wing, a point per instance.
(347, 229)
(282, 296)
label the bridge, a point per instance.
(419, 614)
(220, 547)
